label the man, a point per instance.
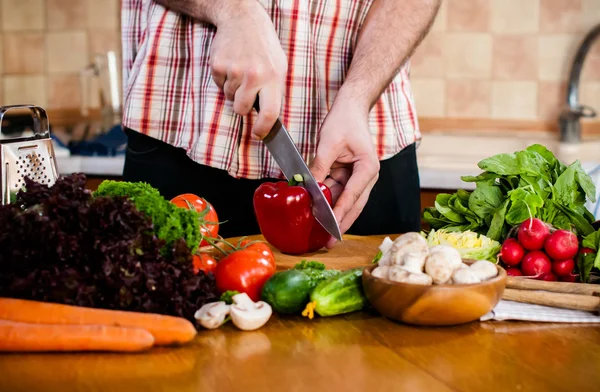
(336, 72)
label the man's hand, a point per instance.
(346, 152)
(247, 60)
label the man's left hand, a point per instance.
(346, 153)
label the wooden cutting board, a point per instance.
(353, 251)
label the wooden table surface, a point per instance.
(356, 352)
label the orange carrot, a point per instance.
(165, 329)
(25, 337)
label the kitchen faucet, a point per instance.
(569, 120)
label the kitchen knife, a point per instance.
(286, 154)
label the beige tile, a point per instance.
(468, 55)
(515, 57)
(103, 14)
(428, 59)
(515, 16)
(104, 41)
(430, 97)
(552, 96)
(589, 14)
(468, 98)
(24, 53)
(67, 51)
(19, 15)
(66, 14)
(514, 100)
(590, 95)
(25, 90)
(64, 92)
(468, 15)
(441, 20)
(560, 16)
(555, 52)
(591, 67)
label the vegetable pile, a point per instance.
(409, 259)
(529, 184)
(513, 188)
(123, 248)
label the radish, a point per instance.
(561, 245)
(571, 278)
(550, 277)
(512, 271)
(536, 264)
(532, 234)
(563, 267)
(511, 253)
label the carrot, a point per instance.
(25, 337)
(165, 329)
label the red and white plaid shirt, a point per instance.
(169, 93)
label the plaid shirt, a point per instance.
(169, 93)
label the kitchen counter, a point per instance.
(357, 352)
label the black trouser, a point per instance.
(393, 206)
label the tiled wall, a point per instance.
(45, 43)
(504, 59)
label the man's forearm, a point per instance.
(208, 11)
(390, 33)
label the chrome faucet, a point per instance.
(569, 120)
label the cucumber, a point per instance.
(339, 294)
(287, 291)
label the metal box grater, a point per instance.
(22, 157)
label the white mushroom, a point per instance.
(381, 271)
(212, 315)
(400, 274)
(484, 269)
(442, 262)
(406, 243)
(413, 262)
(465, 276)
(386, 245)
(463, 265)
(248, 315)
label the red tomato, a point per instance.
(263, 248)
(245, 270)
(204, 262)
(211, 226)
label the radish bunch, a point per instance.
(539, 253)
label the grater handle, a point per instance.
(40, 118)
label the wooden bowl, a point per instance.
(444, 304)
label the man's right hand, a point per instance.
(247, 60)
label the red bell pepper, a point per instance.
(284, 214)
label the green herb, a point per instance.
(514, 187)
(315, 270)
(227, 296)
(377, 257)
(170, 222)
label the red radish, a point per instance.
(532, 234)
(586, 251)
(571, 278)
(511, 253)
(512, 271)
(561, 245)
(536, 264)
(550, 277)
(563, 267)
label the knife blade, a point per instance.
(285, 152)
